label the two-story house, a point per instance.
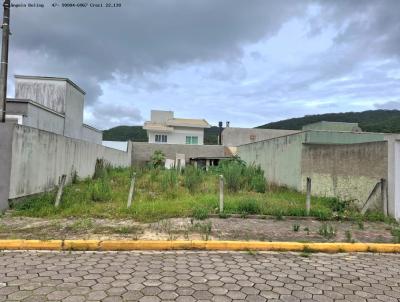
(164, 128)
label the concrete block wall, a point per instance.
(33, 160)
(142, 152)
(349, 172)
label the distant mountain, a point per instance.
(387, 121)
(137, 134)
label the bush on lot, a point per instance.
(158, 159)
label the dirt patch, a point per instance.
(306, 230)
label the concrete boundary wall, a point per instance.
(348, 171)
(39, 158)
(142, 152)
(280, 158)
(6, 134)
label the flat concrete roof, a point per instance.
(50, 79)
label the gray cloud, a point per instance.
(143, 36)
(391, 105)
(153, 37)
(110, 115)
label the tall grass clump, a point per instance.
(169, 182)
(100, 190)
(232, 172)
(239, 176)
(193, 178)
(101, 169)
(249, 207)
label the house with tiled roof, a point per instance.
(164, 128)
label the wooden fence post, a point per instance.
(384, 196)
(131, 191)
(60, 190)
(221, 193)
(308, 199)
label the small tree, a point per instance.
(158, 159)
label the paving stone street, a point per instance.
(197, 276)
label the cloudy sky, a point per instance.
(247, 62)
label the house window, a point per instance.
(161, 138)
(192, 140)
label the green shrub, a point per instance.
(200, 213)
(338, 205)
(249, 207)
(158, 159)
(193, 178)
(101, 190)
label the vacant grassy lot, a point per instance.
(161, 194)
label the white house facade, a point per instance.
(163, 128)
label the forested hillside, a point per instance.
(372, 120)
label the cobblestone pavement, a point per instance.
(197, 276)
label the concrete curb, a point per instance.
(128, 245)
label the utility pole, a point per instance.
(4, 60)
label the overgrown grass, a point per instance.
(162, 194)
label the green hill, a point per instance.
(372, 121)
(137, 134)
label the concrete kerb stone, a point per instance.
(130, 245)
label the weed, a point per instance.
(101, 169)
(193, 178)
(169, 182)
(258, 183)
(126, 229)
(360, 224)
(81, 225)
(200, 213)
(349, 237)
(252, 252)
(307, 251)
(232, 175)
(396, 235)
(279, 215)
(305, 255)
(327, 230)
(296, 227)
(223, 215)
(204, 229)
(249, 207)
(101, 190)
(74, 176)
(306, 229)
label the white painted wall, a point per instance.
(178, 136)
